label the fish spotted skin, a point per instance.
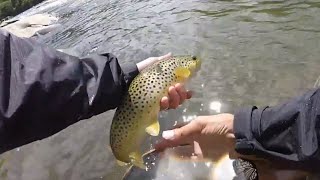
(137, 114)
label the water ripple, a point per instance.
(253, 52)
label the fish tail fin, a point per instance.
(136, 160)
(127, 174)
(121, 163)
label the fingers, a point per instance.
(187, 131)
(186, 152)
(183, 135)
(189, 94)
(164, 144)
(176, 96)
(164, 103)
(197, 150)
(164, 57)
(181, 92)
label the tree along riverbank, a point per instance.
(13, 7)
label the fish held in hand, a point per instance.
(137, 115)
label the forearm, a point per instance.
(43, 91)
(290, 131)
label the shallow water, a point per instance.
(254, 53)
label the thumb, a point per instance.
(179, 136)
(167, 56)
(145, 63)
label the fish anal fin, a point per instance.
(154, 128)
(182, 73)
(136, 160)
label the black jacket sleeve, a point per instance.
(43, 91)
(289, 132)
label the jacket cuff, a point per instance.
(243, 131)
(131, 71)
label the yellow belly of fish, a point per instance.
(128, 150)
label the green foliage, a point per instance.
(14, 7)
(6, 9)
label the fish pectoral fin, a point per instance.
(120, 163)
(153, 129)
(182, 73)
(136, 160)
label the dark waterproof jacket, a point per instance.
(43, 91)
(289, 132)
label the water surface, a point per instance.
(254, 53)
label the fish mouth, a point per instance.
(195, 67)
(198, 65)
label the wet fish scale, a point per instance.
(137, 115)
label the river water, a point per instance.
(254, 52)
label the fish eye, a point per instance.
(194, 57)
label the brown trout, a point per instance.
(137, 115)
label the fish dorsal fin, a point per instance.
(154, 128)
(182, 73)
(136, 160)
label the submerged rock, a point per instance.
(38, 24)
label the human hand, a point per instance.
(177, 94)
(210, 136)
